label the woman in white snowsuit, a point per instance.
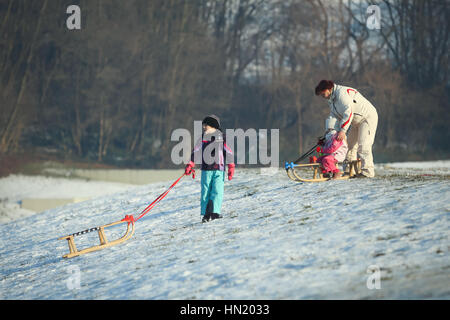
(348, 108)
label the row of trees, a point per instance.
(116, 89)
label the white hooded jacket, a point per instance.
(347, 106)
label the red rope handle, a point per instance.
(132, 219)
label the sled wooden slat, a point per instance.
(307, 165)
(72, 246)
(321, 179)
(104, 243)
(101, 236)
(316, 172)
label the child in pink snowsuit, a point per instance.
(334, 151)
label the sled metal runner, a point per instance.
(104, 243)
(317, 176)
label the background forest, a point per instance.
(114, 91)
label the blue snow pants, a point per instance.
(212, 183)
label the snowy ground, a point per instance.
(278, 239)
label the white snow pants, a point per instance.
(360, 140)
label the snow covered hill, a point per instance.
(278, 240)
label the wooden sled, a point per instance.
(104, 243)
(355, 167)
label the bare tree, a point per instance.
(417, 37)
(12, 130)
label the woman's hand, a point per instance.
(340, 136)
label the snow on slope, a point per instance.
(278, 240)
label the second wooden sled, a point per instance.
(355, 167)
(104, 243)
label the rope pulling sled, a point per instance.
(129, 219)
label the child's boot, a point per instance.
(215, 216)
(206, 217)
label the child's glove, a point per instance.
(189, 168)
(230, 170)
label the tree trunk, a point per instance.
(13, 130)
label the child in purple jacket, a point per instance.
(212, 166)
